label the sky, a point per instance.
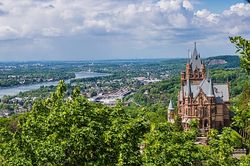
(34, 30)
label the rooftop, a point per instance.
(221, 91)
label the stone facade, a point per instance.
(199, 98)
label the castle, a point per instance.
(199, 98)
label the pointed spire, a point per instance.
(189, 92)
(170, 106)
(195, 53)
(195, 60)
(210, 89)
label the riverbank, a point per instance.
(12, 91)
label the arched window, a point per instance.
(205, 123)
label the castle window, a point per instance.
(214, 110)
(205, 112)
(205, 123)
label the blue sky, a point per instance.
(119, 29)
(216, 5)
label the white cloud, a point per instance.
(206, 17)
(97, 26)
(178, 20)
(7, 32)
(169, 5)
(187, 5)
(203, 13)
(51, 32)
(239, 9)
(138, 20)
(234, 21)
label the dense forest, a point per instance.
(74, 131)
(66, 129)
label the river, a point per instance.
(15, 90)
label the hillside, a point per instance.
(223, 62)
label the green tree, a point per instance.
(178, 123)
(165, 146)
(73, 131)
(242, 107)
(221, 147)
(243, 48)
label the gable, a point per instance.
(200, 97)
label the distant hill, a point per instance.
(223, 62)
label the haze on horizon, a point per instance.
(34, 30)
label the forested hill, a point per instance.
(223, 61)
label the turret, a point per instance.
(170, 112)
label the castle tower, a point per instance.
(170, 112)
(195, 69)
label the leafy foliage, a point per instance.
(242, 106)
(72, 131)
(243, 48)
(222, 147)
(165, 146)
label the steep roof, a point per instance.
(221, 91)
(210, 89)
